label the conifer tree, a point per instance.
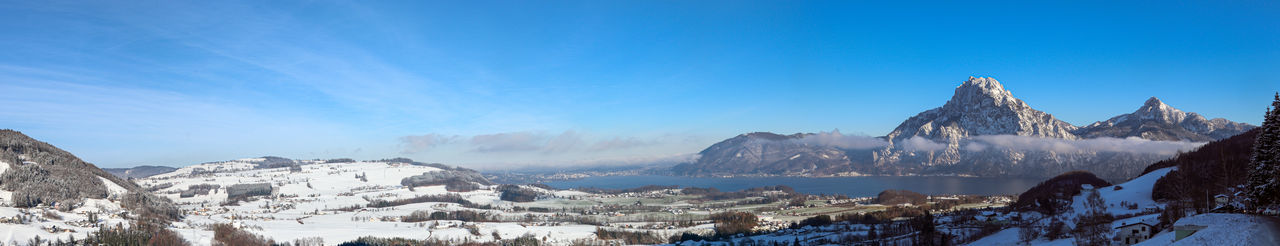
(1264, 192)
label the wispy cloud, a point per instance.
(838, 140)
(1127, 145)
(567, 142)
(918, 143)
(420, 143)
(509, 142)
(618, 143)
(635, 159)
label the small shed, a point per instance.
(1184, 231)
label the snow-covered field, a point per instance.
(306, 204)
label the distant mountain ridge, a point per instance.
(1156, 120)
(957, 139)
(768, 153)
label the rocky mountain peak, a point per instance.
(982, 91)
(1154, 102)
(981, 106)
(1156, 109)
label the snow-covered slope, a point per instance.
(1224, 230)
(1136, 191)
(1009, 237)
(58, 195)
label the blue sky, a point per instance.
(494, 84)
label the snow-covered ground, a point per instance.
(1010, 237)
(1221, 230)
(1224, 230)
(1136, 191)
(305, 204)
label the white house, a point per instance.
(1132, 233)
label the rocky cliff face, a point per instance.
(1156, 120)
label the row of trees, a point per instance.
(445, 198)
(629, 237)
(515, 193)
(462, 215)
(524, 240)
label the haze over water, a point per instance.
(850, 186)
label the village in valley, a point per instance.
(342, 200)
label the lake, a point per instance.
(850, 186)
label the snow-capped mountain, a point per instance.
(1156, 120)
(982, 130)
(981, 106)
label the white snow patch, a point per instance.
(1010, 237)
(113, 189)
(1136, 191)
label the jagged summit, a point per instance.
(982, 90)
(1153, 102)
(981, 106)
(1155, 109)
(1156, 120)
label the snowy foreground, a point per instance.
(1221, 229)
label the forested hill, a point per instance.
(40, 174)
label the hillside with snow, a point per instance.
(1131, 202)
(48, 195)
